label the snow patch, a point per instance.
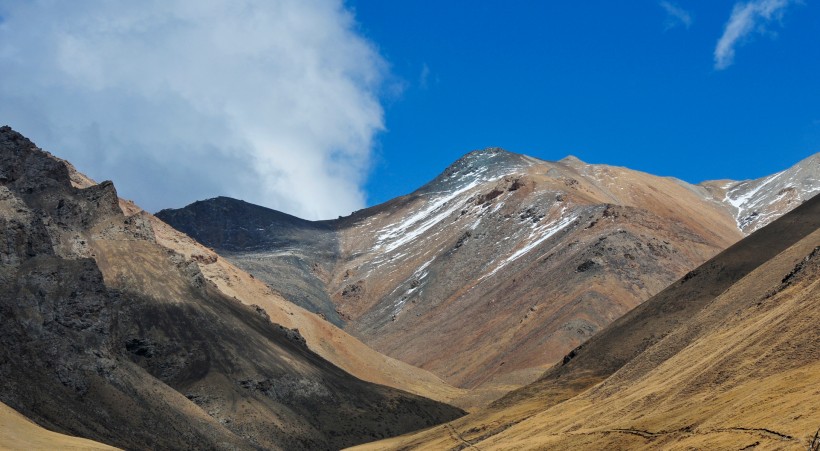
(437, 209)
(420, 274)
(740, 201)
(757, 202)
(538, 234)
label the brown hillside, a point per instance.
(725, 358)
(488, 274)
(108, 335)
(19, 433)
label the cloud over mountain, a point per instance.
(273, 102)
(747, 18)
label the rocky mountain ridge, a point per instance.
(109, 334)
(503, 263)
(758, 202)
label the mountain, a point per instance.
(272, 240)
(756, 203)
(499, 266)
(321, 336)
(111, 330)
(727, 357)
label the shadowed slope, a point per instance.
(286, 252)
(106, 334)
(321, 336)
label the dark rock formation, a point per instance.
(163, 361)
(290, 254)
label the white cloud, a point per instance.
(746, 18)
(675, 15)
(274, 102)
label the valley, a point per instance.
(109, 335)
(508, 302)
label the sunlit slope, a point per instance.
(19, 433)
(505, 263)
(724, 358)
(493, 271)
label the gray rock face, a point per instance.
(292, 255)
(180, 367)
(756, 203)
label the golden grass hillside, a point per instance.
(726, 358)
(19, 433)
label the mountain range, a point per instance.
(502, 264)
(563, 304)
(727, 357)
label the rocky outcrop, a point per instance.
(106, 335)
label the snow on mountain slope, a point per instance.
(503, 263)
(725, 358)
(447, 193)
(756, 203)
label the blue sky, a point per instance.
(630, 85)
(321, 107)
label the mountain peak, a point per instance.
(492, 150)
(489, 157)
(9, 134)
(479, 165)
(571, 159)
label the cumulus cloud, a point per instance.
(675, 15)
(747, 18)
(274, 102)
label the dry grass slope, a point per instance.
(19, 433)
(726, 358)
